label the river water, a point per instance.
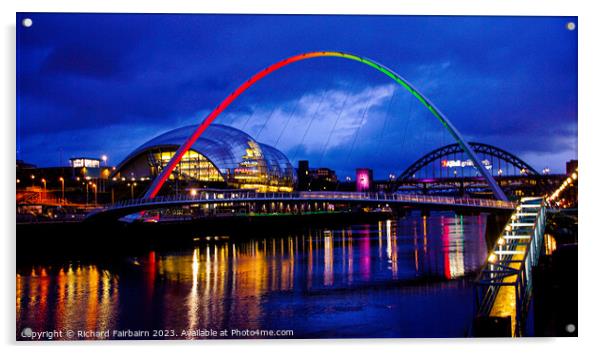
(410, 277)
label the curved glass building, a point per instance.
(223, 155)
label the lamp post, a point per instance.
(33, 179)
(95, 193)
(62, 180)
(104, 174)
(132, 185)
(43, 188)
(87, 184)
(113, 190)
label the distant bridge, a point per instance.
(127, 207)
(451, 158)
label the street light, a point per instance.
(95, 193)
(33, 179)
(44, 188)
(132, 185)
(62, 189)
(104, 158)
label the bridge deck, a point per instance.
(215, 197)
(505, 301)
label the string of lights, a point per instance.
(555, 197)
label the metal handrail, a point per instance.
(204, 196)
(225, 195)
(492, 276)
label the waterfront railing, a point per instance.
(238, 196)
(504, 284)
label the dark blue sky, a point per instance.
(93, 84)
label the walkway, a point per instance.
(506, 281)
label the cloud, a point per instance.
(73, 60)
(508, 81)
(317, 121)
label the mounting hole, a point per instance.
(26, 332)
(570, 328)
(27, 22)
(571, 26)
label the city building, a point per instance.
(80, 169)
(84, 181)
(303, 175)
(315, 179)
(88, 167)
(222, 157)
(571, 166)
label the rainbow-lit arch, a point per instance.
(162, 177)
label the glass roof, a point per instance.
(223, 145)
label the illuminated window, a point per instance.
(193, 166)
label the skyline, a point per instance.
(125, 79)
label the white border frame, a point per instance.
(590, 27)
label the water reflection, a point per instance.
(74, 296)
(261, 282)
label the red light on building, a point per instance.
(363, 179)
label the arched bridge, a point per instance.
(488, 154)
(158, 182)
(128, 207)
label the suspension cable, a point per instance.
(405, 130)
(357, 131)
(290, 117)
(335, 124)
(309, 126)
(387, 114)
(266, 121)
(248, 120)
